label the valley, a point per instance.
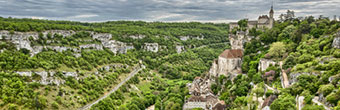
(263, 64)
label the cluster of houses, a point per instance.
(202, 96)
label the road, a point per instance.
(284, 76)
(133, 73)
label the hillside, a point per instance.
(136, 65)
(66, 65)
(295, 65)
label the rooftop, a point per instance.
(232, 53)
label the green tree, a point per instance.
(277, 49)
(284, 102)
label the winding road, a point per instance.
(133, 73)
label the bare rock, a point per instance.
(153, 47)
(265, 63)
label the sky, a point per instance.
(163, 10)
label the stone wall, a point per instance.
(230, 65)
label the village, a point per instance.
(228, 64)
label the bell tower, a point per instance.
(271, 13)
(271, 17)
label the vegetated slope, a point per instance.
(309, 52)
(65, 75)
(163, 85)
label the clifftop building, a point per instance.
(263, 21)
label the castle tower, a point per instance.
(271, 17)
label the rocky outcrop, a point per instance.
(137, 36)
(102, 36)
(47, 77)
(91, 46)
(293, 77)
(21, 40)
(179, 48)
(185, 38)
(153, 47)
(116, 46)
(265, 63)
(336, 42)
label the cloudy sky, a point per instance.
(162, 10)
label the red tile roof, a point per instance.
(232, 53)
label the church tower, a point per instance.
(271, 17)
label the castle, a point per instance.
(263, 22)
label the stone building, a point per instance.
(230, 61)
(202, 96)
(263, 21)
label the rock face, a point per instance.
(237, 41)
(21, 40)
(336, 42)
(93, 46)
(46, 77)
(185, 38)
(153, 47)
(265, 63)
(293, 77)
(179, 48)
(116, 46)
(137, 36)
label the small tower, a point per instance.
(271, 17)
(271, 13)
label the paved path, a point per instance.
(133, 73)
(284, 76)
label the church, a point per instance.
(263, 21)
